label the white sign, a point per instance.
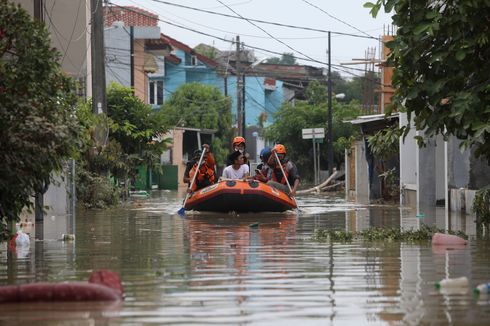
(311, 133)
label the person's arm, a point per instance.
(225, 173)
(272, 160)
(246, 173)
(210, 158)
(295, 187)
(294, 175)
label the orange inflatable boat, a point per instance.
(239, 196)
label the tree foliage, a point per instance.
(133, 136)
(201, 106)
(385, 144)
(37, 122)
(442, 74)
(312, 113)
(285, 59)
(134, 122)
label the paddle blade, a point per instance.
(181, 211)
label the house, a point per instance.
(128, 60)
(438, 174)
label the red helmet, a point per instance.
(238, 140)
(280, 149)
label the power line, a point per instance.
(228, 31)
(338, 19)
(264, 21)
(219, 38)
(263, 30)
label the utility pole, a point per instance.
(39, 195)
(329, 134)
(38, 10)
(239, 88)
(99, 103)
(244, 123)
(131, 50)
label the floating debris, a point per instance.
(382, 234)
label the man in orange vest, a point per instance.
(206, 172)
(276, 175)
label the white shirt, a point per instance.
(230, 173)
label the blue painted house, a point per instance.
(184, 65)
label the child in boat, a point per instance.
(205, 174)
(262, 172)
(278, 179)
(238, 170)
(239, 146)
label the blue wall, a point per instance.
(257, 99)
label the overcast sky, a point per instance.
(347, 16)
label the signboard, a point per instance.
(315, 133)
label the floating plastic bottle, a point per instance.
(482, 289)
(460, 282)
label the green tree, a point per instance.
(37, 126)
(201, 106)
(442, 74)
(289, 121)
(134, 123)
(133, 136)
(285, 59)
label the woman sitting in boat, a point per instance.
(205, 174)
(262, 173)
(278, 179)
(239, 146)
(238, 170)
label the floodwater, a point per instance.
(211, 269)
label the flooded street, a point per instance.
(253, 269)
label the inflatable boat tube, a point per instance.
(103, 285)
(240, 196)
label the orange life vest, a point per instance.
(205, 175)
(277, 171)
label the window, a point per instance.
(194, 60)
(155, 90)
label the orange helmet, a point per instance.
(280, 149)
(238, 140)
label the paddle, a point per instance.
(182, 209)
(284, 174)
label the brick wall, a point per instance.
(130, 15)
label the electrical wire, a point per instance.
(264, 21)
(223, 39)
(266, 32)
(338, 19)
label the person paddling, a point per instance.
(205, 174)
(278, 179)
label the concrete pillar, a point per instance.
(426, 176)
(347, 173)
(362, 177)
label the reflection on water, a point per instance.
(249, 268)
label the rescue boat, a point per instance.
(239, 196)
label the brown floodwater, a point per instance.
(264, 269)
